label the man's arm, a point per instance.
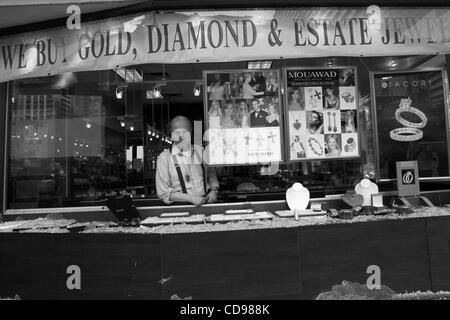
(162, 180)
(212, 178)
(184, 197)
(213, 184)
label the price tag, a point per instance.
(377, 200)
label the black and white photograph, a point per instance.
(225, 154)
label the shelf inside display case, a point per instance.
(263, 215)
(302, 213)
(155, 221)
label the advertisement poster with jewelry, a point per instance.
(411, 122)
(321, 108)
(243, 117)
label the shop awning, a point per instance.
(24, 12)
(227, 35)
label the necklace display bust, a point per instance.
(297, 197)
(366, 188)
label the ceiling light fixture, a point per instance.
(394, 62)
(156, 91)
(266, 64)
(330, 62)
(129, 75)
(120, 92)
(197, 90)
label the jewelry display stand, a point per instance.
(297, 198)
(366, 188)
(408, 187)
(412, 202)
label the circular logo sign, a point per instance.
(408, 177)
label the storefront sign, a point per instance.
(216, 36)
(321, 113)
(407, 178)
(411, 122)
(243, 120)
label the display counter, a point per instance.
(277, 259)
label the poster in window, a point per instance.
(411, 122)
(243, 117)
(321, 113)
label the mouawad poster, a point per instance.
(411, 122)
(321, 108)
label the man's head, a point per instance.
(255, 105)
(180, 122)
(180, 129)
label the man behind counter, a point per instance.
(180, 171)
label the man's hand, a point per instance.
(197, 200)
(211, 197)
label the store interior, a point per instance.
(76, 138)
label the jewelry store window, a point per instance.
(76, 138)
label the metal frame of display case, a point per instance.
(286, 112)
(375, 121)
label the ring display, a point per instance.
(410, 130)
(406, 134)
(409, 124)
(410, 108)
(348, 97)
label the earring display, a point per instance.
(334, 121)
(329, 121)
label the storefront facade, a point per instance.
(86, 111)
(303, 92)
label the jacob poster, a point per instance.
(411, 122)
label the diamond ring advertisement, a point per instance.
(411, 121)
(410, 130)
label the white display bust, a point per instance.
(366, 188)
(297, 197)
